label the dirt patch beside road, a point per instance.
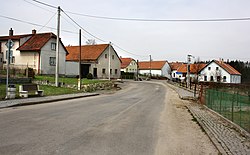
(179, 133)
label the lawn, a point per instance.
(51, 90)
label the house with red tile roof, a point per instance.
(35, 50)
(128, 65)
(194, 70)
(157, 68)
(174, 66)
(95, 59)
(219, 71)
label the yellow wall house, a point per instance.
(128, 65)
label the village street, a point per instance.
(144, 118)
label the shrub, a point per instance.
(89, 76)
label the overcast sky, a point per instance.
(171, 41)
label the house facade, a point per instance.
(35, 50)
(218, 71)
(128, 65)
(1, 60)
(95, 59)
(174, 66)
(157, 68)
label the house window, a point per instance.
(209, 68)
(1, 59)
(12, 60)
(52, 61)
(103, 71)
(106, 56)
(211, 78)
(224, 79)
(116, 71)
(205, 78)
(53, 46)
(110, 71)
(217, 68)
(113, 57)
(218, 78)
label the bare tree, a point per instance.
(91, 42)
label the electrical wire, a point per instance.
(128, 52)
(47, 22)
(45, 4)
(34, 24)
(38, 6)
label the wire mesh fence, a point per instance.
(234, 105)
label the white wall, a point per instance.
(166, 71)
(72, 68)
(220, 72)
(46, 53)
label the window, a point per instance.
(103, 71)
(205, 78)
(113, 57)
(209, 68)
(12, 60)
(106, 56)
(110, 71)
(116, 71)
(211, 78)
(53, 46)
(52, 61)
(217, 68)
(218, 78)
(1, 59)
(224, 79)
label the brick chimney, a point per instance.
(34, 31)
(11, 32)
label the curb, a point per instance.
(49, 100)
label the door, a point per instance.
(95, 72)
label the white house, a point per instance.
(174, 67)
(95, 59)
(35, 50)
(128, 65)
(218, 71)
(157, 68)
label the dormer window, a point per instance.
(53, 46)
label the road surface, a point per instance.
(143, 119)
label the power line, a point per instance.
(45, 4)
(127, 51)
(30, 23)
(38, 6)
(162, 20)
(82, 27)
(152, 20)
(47, 22)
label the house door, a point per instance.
(84, 70)
(95, 72)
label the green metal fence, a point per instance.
(233, 106)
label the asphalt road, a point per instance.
(122, 123)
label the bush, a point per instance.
(89, 76)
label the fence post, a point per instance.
(233, 107)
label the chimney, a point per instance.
(11, 32)
(34, 31)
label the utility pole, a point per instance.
(150, 66)
(9, 45)
(57, 47)
(109, 61)
(80, 59)
(188, 69)
(137, 71)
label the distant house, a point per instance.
(128, 65)
(35, 50)
(1, 60)
(174, 66)
(157, 68)
(194, 70)
(95, 60)
(218, 71)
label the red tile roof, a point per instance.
(194, 68)
(227, 67)
(156, 65)
(36, 42)
(88, 52)
(175, 65)
(125, 62)
(15, 37)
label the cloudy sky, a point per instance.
(164, 40)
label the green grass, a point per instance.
(70, 81)
(51, 90)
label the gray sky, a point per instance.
(170, 41)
